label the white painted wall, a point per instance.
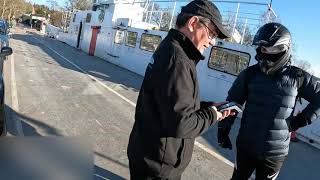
(51, 30)
(132, 11)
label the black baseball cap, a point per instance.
(207, 9)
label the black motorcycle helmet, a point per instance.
(273, 41)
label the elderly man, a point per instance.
(168, 113)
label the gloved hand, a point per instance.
(223, 137)
(204, 104)
(298, 121)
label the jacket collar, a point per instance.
(188, 47)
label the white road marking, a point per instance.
(15, 102)
(93, 78)
(99, 123)
(201, 146)
(65, 87)
(99, 176)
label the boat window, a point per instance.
(149, 42)
(76, 29)
(74, 17)
(131, 39)
(118, 38)
(228, 60)
(88, 18)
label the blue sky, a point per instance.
(60, 2)
(300, 17)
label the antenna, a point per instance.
(270, 10)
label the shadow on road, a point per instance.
(30, 126)
(102, 174)
(112, 160)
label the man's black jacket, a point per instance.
(168, 116)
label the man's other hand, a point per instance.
(298, 122)
(223, 138)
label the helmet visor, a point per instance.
(271, 54)
(273, 49)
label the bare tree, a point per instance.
(303, 64)
(240, 27)
(248, 35)
(155, 14)
(166, 18)
(12, 8)
(159, 16)
(56, 18)
(53, 5)
(72, 5)
(267, 17)
(4, 8)
(41, 9)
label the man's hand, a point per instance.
(223, 138)
(213, 105)
(223, 114)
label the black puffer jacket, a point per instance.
(168, 116)
(270, 102)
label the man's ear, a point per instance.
(192, 23)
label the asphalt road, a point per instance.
(53, 89)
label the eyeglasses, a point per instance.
(211, 34)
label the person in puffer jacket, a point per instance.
(269, 90)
